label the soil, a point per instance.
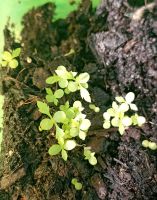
(120, 54)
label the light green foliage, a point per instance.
(90, 156)
(68, 122)
(149, 144)
(78, 185)
(9, 58)
(116, 115)
(69, 82)
(95, 108)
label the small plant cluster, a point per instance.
(118, 116)
(69, 122)
(9, 58)
(78, 185)
(149, 144)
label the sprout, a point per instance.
(78, 185)
(149, 144)
(90, 156)
(8, 58)
(116, 115)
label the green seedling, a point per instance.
(78, 185)
(9, 58)
(90, 156)
(117, 117)
(70, 82)
(95, 108)
(149, 144)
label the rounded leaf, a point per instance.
(72, 86)
(85, 95)
(59, 116)
(78, 186)
(130, 97)
(93, 160)
(152, 145)
(115, 122)
(106, 124)
(69, 145)
(13, 63)
(46, 124)
(7, 56)
(115, 105)
(59, 93)
(16, 52)
(145, 143)
(85, 124)
(133, 107)
(54, 149)
(82, 135)
(84, 77)
(106, 115)
(126, 121)
(120, 99)
(63, 83)
(74, 181)
(73, 132)
(52, 79)
(124, 107)
(141, 120)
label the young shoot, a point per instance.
(90, 156)
(116, 115)
(71, 82)
(78, 185)
(9, 58)
(149, 144)
(95, 108)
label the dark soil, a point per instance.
(120, 54)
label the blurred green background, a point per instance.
(13, 10)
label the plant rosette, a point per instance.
(117, 117)
(9, 58)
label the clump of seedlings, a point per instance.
(9, 58)
(149, 144)
(118, 115)
(69, 122)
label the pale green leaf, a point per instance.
(72, 86)
(121, 129)
(111, 112)
(69, 145)
(115, 105)
(59, 116)
(126, 121)
(93, 160)
(130, 97)
(46, 124)
(52, 79)
(7, 56)
(133, 107)
(152, 145)
(74, 181)
(55, 101)
(16, 52)
(78, 186)
(85, 95)
(115, 122)
(120, 99)
(70, 113)
(64, 155)
(87, 153)
(63, 83)
(59, 132)
(13, 63)
(106, 115)
(82, 135)
(85, 124)
(54, 149)
(49, 91)
(124, 107)
(141, 120)
(145, 143)
(73, 132)
(59, 94)
(106, 124)
(50, 98)
(43, 108)
(66, 91)
(84, 77)
(78, 104)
